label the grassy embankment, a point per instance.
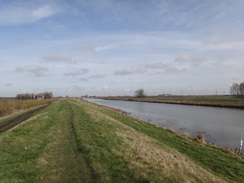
(76, 141)
(219, 101)
(10, 106)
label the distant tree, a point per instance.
(18, 96)
(241, 89)
(234, 89)
(140, 93)
(27, 96)
(48, 95)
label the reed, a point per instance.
(9, 106)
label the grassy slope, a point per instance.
(75, 141)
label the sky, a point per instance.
(115, 47)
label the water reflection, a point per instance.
(220, 125)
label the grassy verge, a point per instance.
(218, 101)
(41, 149)
(76, 141)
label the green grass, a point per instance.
(76, 141)
(39, 150)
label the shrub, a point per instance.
(201, 138)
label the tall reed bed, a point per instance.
(9, 106)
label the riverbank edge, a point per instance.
(178, 102)
(187, 139)
(210, 144)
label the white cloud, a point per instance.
(43, 12)
(15, 14)
(58, 58)
(38, 71)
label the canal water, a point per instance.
(223, 126)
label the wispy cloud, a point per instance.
(106, 47)
(85, 48)
(189, 59)
(16, 15)
(58, 58)
(97, 76)
(8, 84)
(130, 70)
(77, 73)
(38, 71)
(165, 68)
(216, 40)
(125, 71)
(141, 70)
(89, 48)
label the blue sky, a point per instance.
(114, 47)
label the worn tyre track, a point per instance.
(17, 120)
(84, 169)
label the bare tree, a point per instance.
(234, 89)
(48, 95)
(241, 89)
(140, 93)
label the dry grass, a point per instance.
(153, 160)
(10, 106)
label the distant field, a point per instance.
(221, 101)
(77, 141)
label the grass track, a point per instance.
(76, 141)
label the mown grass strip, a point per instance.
(40, 149)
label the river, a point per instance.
(223, 126)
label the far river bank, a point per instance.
(208, 101)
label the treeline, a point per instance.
(29, 96)
(237, 89)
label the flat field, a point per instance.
(77, 141)
(10, 106)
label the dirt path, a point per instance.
(13, 122)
